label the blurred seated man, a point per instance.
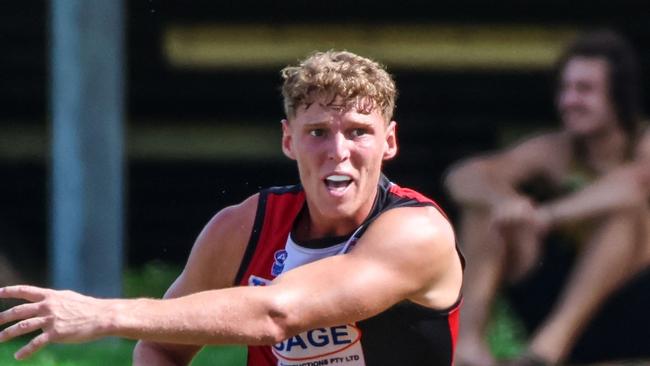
(587, 182)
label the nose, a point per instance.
(338, 149)
(568, 97)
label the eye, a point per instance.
(358, 132)
(317, 132)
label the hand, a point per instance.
(514, 211)
(522, 225)
(543, 219)
(63, 317)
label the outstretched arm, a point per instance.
(66, 316)
(382, 270)
(220, 246)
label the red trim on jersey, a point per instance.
(279, 217)
(261, 356)
(453, 320)
(278, 220)
(409, 193)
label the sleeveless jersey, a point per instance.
(405, 334)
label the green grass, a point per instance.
(110, 352)
(99, 353)
(151, 280)
(506, 335)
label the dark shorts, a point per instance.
(620, 328)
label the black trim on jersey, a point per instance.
(384, 200)
(425, 337)
(257, 226)
(285, 189)
(255, 237)
(389, 201)
(322, 243)
(329, 241)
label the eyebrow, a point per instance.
(319, 123)
(326, 123)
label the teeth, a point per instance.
(338, 178)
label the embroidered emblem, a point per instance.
(278, 265)
(257, 281)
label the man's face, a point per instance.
(339, 152)
(584, 101)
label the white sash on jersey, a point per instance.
(339, 345)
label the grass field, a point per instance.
(111, 352)
(151, 281)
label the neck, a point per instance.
(312, 224)
(605, 150)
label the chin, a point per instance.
(341, 210)
(581, 129)
(585, 132)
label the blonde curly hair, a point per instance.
(358, 81)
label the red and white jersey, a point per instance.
(405, 334)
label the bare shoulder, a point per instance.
(418, 244)
(228, 226)
(545, 153)
(218, 249)
(535, 154)
(415, 229)
(553, 142)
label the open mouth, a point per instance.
(337, 183)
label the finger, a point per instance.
(22, 328)
(25, 292)
(19, 312)
(32, 347)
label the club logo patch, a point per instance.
(258, 281)
(278, 265)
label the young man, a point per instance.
(587, 181)
(346, 268)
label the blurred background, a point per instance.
(202, 101)
(200, 109)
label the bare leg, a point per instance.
(524, 247)
(618, 248)
(486, 254)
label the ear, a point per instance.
(390, 147)
(286, 140)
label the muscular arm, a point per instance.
(486, 181)
(212, 264)
(382, 270)
(619, 190)
(624, 188)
